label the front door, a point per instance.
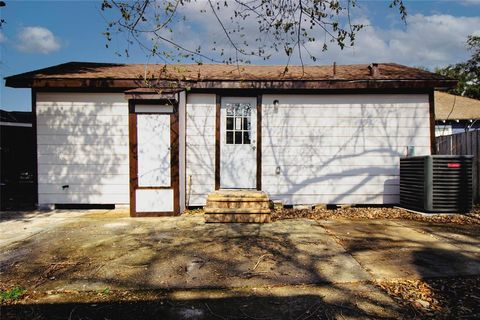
(238, 155)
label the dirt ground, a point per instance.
(105, 265)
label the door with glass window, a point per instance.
(238, 155)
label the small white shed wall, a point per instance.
(83, 143)
(340, 149)
(200, 148)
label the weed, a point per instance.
(12, 294)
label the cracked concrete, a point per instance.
(288, 264)
(95, 249)
(407, 249)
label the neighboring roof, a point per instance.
(86, 74)
(16, 116)
(452, 107)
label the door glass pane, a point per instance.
(238, 123)
(246, 137)
(246, 123)
(229, 123)
(238, 137)
(229, 137)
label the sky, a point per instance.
(40, 34)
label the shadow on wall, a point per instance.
(83, 150)
(200, 149)
(344, 154)
(387, 189)
(343, 149)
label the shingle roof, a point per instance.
(217, 72)
(195, 72)
(452, 107)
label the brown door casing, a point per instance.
(218, 105)
(174, 164)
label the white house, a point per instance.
(160, 138)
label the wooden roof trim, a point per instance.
(143, 96)
(231, 84)
(153, 93)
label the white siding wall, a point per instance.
(82, 142)
(181, 118)
(340, 148)
(200, 147)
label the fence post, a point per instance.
(476, 149)
(475, 179)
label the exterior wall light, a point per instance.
(276, 103)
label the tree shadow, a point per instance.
(25, 216)
(245, 307)
(352, 156)
(186, 255)
(133, 254)
(82, 148)
(200, 148)
(433, 264)
(446, 286)
(348, 152)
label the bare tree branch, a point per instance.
(252, 29)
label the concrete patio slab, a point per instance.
(16, 226)
(89, 253)
(465, 237)
(92, 250)
(389, 249)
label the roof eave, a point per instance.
(229, 84)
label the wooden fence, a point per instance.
(466, 143)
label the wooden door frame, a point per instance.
(218, 106)
(174, 160)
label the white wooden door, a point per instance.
(238, 132)
(153, 140)
(154, 164)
